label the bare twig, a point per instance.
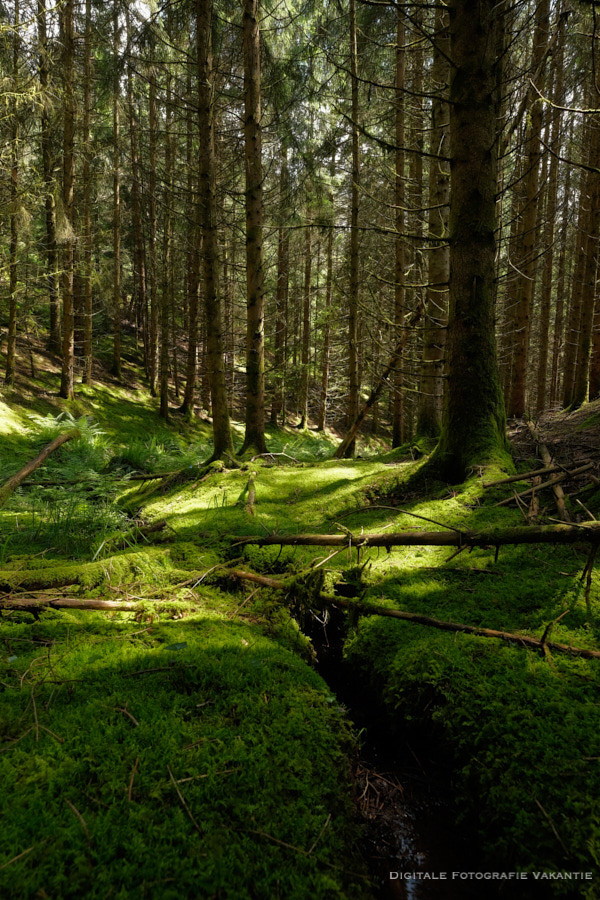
(74, 809)
(130, 790)
(15, 858)
(183, 803)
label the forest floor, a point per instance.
(186, 745)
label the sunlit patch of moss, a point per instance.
(10, 420)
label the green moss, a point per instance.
(251, 735)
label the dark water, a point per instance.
(415, 841)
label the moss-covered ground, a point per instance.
(189, 749)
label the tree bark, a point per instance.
(48, 177)
(590, 268)
(116, 177)
(153, 227)
(68, 342)
(255, 300)
(139, 259)
(436, 302)
(87, 198)
(473, 427)
(306, 301)
(549, 228)
(281, 295)
(527, 238)
(353, 289)
(327, 324)
(11, 347)
(399, 241)
(223, 442)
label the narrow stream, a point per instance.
(415, 843)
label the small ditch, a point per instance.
(414, 832)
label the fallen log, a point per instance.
(418, 619)
(9, 486)
(522, 639)
(538, 534)
(40, 603)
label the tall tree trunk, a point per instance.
(589, 280)
(87, 199)
(68, 341)
(165, 295)
(327, 324)
(223, 441)
(48, 176)
(436, 301)
(527, 265)
(353, 375)
(559, 313)
(139, 259)
(473, 426)
(399, 242)
(283, 278)
(11, 348)
(255, 295)
(304, 378)
(116, 223)
(153, 227)
(550, 222)
(594, 390)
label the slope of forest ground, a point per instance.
(184, 746)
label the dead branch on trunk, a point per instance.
(381, 384)
(9, 486)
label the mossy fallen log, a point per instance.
(40, 603)
(538, 534)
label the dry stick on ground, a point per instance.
(559, 495)
(183, 803)
(130, 789)
(9, 486)
(588, 569)
(15, 858)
